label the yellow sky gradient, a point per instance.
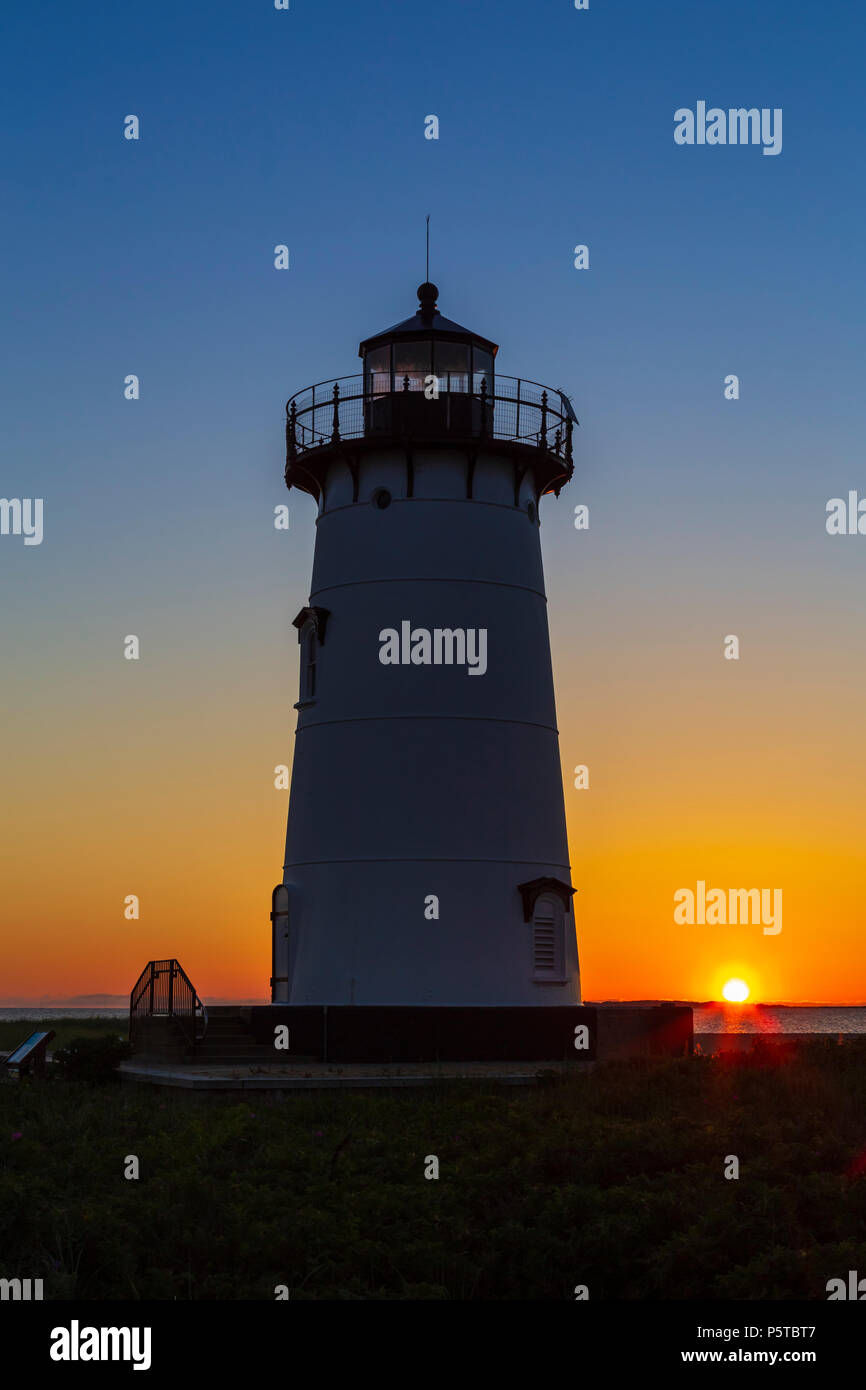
(127, 781)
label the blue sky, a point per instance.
(306, 127)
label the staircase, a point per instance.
(166, 1017)
(169, 1023)
(230, 1042)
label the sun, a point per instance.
(735, 991)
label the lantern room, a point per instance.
(414, 371)
(425, 345)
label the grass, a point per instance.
(613, 1178)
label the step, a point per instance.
(248, 1059)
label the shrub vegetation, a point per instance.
(611, 1177)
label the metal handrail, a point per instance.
(163, 989)
(516, 409)
(359, 376)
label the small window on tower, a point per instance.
(309, 658)
(548, 941)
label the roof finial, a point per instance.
(427, 295)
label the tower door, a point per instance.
(280, 945)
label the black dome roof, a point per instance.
(427, 322)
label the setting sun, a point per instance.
(735, 991)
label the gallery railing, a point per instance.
(352, 407)
(163, 989)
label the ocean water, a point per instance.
(718, 1018)
(777, 1018)
(28, 1013)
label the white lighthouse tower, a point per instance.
(426, 859)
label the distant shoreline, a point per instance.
(97, 1005)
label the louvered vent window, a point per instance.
(548, 953)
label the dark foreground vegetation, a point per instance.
(612, 1178)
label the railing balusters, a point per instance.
(292, 434)
(530, 419)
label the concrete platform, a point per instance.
(321, 1076)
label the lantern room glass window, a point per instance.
(377, 371)
(412, 360)
(451, 365)
(460, 368)
(482, 370)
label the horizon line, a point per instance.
(119, 1001)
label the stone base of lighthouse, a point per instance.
(286, 1045)
(484, 1033)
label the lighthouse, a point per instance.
(426, 863)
